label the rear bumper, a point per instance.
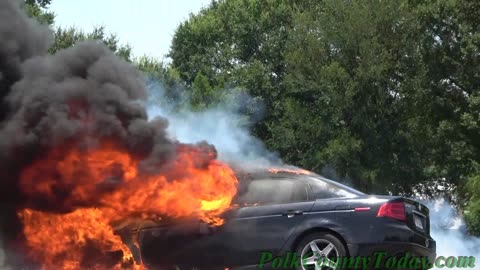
(395, 255)
(371, 238)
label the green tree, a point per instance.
(39, 10)
(41, 3)
(202, 94)
(472, 213)
(159, 71)
(237, 44)
(65, 38)
(347, 61)
(447, 127)
(165, 82)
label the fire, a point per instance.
(295, 171)
(69, 241)
(103, 186)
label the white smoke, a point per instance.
(3, 258)
(222, 125)
(448, 230)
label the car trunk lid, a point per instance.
(417, 216)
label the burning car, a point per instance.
(89, 181)
(286, 211)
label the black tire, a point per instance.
(321, 237)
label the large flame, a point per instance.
(103, 186)
(78, 240)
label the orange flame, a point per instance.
(100, 187)
(295, 171)
(62, 241)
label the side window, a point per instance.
(273, 191)
(301, 191)
(325, 190)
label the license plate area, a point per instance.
(418, 220)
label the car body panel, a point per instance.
(261, 228)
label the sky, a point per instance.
(146, 25)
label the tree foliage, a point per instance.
(472, 215)
(236, 44)
(65, 38)
(41, 3)
(38, 9)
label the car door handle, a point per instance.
(292, 213)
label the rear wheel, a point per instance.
(320, 251)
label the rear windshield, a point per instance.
(324, 189)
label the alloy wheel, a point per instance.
(319, 254)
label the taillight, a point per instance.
(394, 210)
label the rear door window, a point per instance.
(273, 191)
(325, 189)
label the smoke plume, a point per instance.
(223, 125)
(448, 229)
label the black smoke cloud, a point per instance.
(78, 96)
(20, 39)
(81, 95)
